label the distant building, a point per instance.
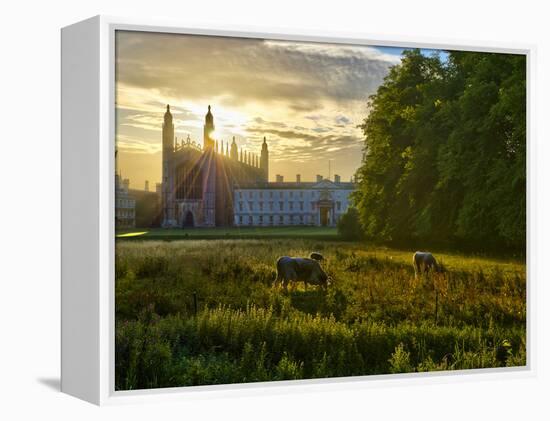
(197, 183)
(213, 186)
(286, 203)
(125, 204)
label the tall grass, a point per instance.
(376, 317)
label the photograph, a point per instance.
(291, 210)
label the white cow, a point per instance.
(300, 269)
(423, 262)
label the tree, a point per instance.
(444, 153)
(349, 226)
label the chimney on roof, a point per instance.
(279, 178)
(319, 178)
(146, 185)
(336, 178)
(298, 178)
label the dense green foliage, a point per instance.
(375, 318)
(445, 152)
(147, 208)
(349, 225)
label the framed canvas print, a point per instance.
(246, 210)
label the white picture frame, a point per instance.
(88, 135)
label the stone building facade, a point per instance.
(197, 182)
(301, 203)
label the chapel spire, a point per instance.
(209, 130)
(264, 161)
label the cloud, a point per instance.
(202, 67)
(292, 145)
(342, 120)
(260, 120)
(136, 145)
(307, 98)
(285, 134)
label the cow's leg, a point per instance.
(286, 275)
(428, 271)
(425, 268)
(293, 278)
(416, 266)
(285, 284)
(277, 281)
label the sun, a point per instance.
(215, 135)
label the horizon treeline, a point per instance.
(445, 152)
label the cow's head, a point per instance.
(324, 280)
(319, 276)
(440, 268)
(316, 256)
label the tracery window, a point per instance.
(188, 182)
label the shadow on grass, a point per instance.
(310, 301)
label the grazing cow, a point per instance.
(423, 262)
(316, 256)
(300, 269)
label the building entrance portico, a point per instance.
(324, 216)
(326, 208)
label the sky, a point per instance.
(307, 99)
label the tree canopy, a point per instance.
(445, 152)
(349, 225)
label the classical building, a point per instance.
(320, 203)
(219, 185)
(125, 204)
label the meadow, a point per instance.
(201, 312)
(319, 233)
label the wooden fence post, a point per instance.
(195, 305)
(436, 303)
